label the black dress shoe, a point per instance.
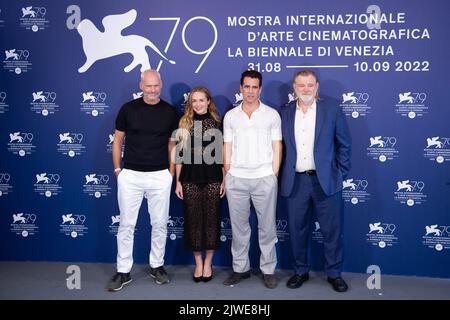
(197, 279)
(338, 284)
(297, 280)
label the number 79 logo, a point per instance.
(205, 53)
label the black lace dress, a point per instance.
(201, 186)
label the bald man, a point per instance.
(147, 123)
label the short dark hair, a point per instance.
(251, 74)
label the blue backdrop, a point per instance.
(68, 67)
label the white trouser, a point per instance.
(132, 186)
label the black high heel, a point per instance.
(197, 279)
(206, 279)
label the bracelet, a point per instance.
(117, 169)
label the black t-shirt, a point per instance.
(148, 129)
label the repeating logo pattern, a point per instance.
(34, 18)
(5, 184)
(73, 225)
(70, 144)
(382, 148)
(411, 104)
(437, 237)
(21, 143)
(355, 104)
(382, 234)
(225, 230)
(17, 60)
(94, 103)
(43, 102)
(47, 184)
(410, 192)
(185, 101)
(110, 143)
(24, 224)
(237, 99)
(355, 190)
(317, 235)
(282, 230)
(44, 98)
(291, 97)
(175, 229)
(437, 149)
(4, 106)
(114, 225)
(137, 95)
(96, 185)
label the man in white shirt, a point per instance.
(252, 152)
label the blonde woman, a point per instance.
(200, 179)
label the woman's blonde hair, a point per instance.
(187, 120)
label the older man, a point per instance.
(317, 144)
(147, 123)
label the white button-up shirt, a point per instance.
(305, 127)
(251, 140)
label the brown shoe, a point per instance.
(270, 281)
(236, 277)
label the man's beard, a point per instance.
(306, 98)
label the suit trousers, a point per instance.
(307, 196)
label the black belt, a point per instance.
(308, 172)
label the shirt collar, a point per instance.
(262, 107)
(311, 107)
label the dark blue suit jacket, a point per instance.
(332, 146)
